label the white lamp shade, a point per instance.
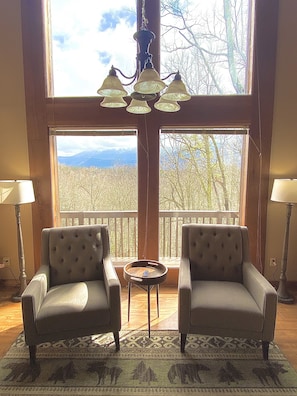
(284, 190)
(16, 192)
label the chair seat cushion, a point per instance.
(224, 305)
(73, 306)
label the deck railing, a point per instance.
(123, 228)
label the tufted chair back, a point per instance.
(216, 252)
(74, 254)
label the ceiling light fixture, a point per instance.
(149, 84)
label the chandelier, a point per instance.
(148, 84)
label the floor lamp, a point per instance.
(285, 190)
(18, 192)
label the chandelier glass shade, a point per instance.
(148, 84)
(112, 86)
(138, 107)
(113, 102)
(168, 106)
(177, 90)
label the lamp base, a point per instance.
(17, 297)
(282, 294)
(285, 300)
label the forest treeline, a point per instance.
(197, 172)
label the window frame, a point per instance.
(254, 111)
(177, 216)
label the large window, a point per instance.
(217, 63)
(97, 183)
(201, 181)
(209, 42)
(200, 170)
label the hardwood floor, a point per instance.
(285, 334)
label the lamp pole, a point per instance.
(22, 266)
(282, 293)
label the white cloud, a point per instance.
(70, 145)
(77, 67)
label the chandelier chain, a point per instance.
(144, 20)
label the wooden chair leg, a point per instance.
(32, 352)
(183, 338)
(117, 340)
(265, 349)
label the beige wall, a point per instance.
(284, 141)
(14, 152)
(13, 136)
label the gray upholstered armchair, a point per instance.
(220, 291)
(76, 291)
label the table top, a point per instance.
(145, 272)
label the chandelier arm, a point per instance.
(132, 81)
(169, 75)
(133, 78)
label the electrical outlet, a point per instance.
(5, 262)
(272, 262)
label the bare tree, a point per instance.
(209, 45)
(200, 171)
(97, 189)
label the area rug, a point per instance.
(147, 366)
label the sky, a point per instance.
(85, 44)
(71, 145)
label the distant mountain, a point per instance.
(100, 159)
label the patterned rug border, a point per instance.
(164, 347)
(234, 348)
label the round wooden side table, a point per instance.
(145, 274)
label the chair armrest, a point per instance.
(32, 299)
(265, 296)
(184, 295)
(113, 290)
